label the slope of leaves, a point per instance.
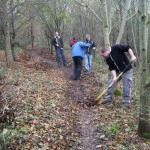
(49, 110)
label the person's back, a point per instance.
(118, 57)
(78, 55)
(78, 49)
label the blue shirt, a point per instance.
(78, 49)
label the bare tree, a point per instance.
(8, 51)
(144, 118)
(121, 31)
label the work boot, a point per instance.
(58, 65)
(65, 65)
(87, 72)
(105, 101)
(75, 77)
(126, 105)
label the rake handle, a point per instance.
(101, 94)
(108, 87)
(113, 82)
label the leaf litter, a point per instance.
(51, 112)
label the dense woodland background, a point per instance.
(40, 106)
(32, 23)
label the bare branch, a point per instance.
(131, 16)
(86, 5)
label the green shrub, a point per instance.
(113, 128)
(117, 92)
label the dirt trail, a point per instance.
(87, 130)
(52, 110)
(37, 55)
(80, 92)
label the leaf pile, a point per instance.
(50, 110)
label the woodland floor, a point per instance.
(46, 109)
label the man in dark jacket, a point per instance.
(117, 62)
(58, 43)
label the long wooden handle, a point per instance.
(99, 97)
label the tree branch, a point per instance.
(86, 5)
(131, 16)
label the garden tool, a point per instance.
(105, 90)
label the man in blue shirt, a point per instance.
(78, 55)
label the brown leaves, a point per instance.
(49, 114)
(2, 10)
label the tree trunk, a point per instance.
(134, 38)
(105, 24)
(1, 26)
(12, 30)
(144, 118)
(127, 6)
(8, 51)
(32, 35)
(147, 37)
(148, 53)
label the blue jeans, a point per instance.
(88, 62)
(59, 53)
(127, 84)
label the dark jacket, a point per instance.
(117, 59)
(89, 50)
(57, 41)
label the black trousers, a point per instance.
(77, 60)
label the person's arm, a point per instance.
(62, 43)
(114, 75)
(94, 46)
(132, 56)
(83, 45)
(54, 42)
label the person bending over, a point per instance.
(78, 55)
(117, 61)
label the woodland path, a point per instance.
(100, 127)
(51, 111)
(79, 92)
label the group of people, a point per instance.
(114, 56)
(80, 51)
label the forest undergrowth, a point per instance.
(42, 108)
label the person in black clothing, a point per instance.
(58, 43)
(117, 62)
(89, 53)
